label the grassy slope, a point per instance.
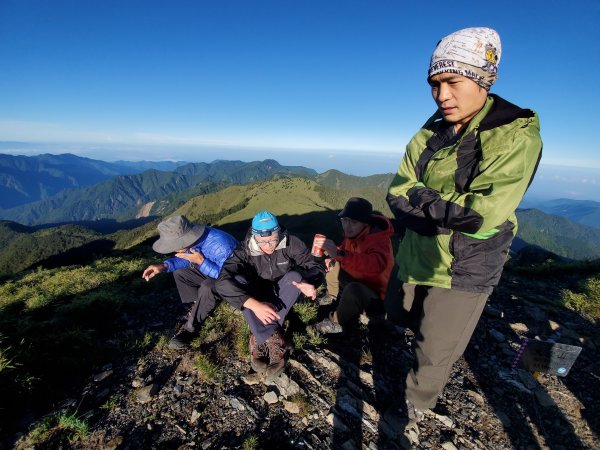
(302, 205)
(284, 196)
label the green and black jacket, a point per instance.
(457, 195)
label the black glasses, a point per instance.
(267, 242)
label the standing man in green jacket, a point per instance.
(456, 191)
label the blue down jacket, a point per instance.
(215, 245)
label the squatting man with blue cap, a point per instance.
(199, 254)
(264, 277)
(456, 190)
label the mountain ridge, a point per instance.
(121, 196)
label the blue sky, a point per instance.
(302, 81)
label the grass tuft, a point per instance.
(78, 428)
(307, 311)
(586, 297)
(241, 339)
(74, 427)
(299, 340)
(250, 443)
(141, 344)
(162, 342)
(6, 362)
(111, 403)
(207, 370)
(315, 338)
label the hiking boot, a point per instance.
(259, 355)
(328, 326)
(181, 340)
(325, 299)
(277, 347)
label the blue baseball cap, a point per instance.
(264, 224)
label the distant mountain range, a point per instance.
(339, 180)
(557, 234)
(586, 212)
(121, 196)
(26, 179)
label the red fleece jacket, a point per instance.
(368, 257)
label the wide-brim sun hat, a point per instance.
(177, 233)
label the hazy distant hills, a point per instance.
(339, 180)
(26, 179)
(141, 166)
(558, 235)
(22, 247)
(121, 196)
(586, 212)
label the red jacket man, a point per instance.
(363, 263)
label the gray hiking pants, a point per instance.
(195, 287)
(443, 321)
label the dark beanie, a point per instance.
(358, 209)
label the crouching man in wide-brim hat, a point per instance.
(199, 253)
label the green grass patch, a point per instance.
(207, 370)
(77, 427)
(225, 321)
(242, 339)
(70, 425)
(162, 343)
(111, 403)
(6, 362)
(141, 343)
(57, 324)
(250, 443)
(307, 311)
(299, 340)
(41, 288)
(585, 298)
(315, 338)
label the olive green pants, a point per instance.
(443, 321)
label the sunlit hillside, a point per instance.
(305, 206)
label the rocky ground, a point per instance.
(347, 393)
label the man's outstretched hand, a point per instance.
(153, 270)
(306, 288)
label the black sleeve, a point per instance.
(413, 218)
(312, 271)
(227, 287)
